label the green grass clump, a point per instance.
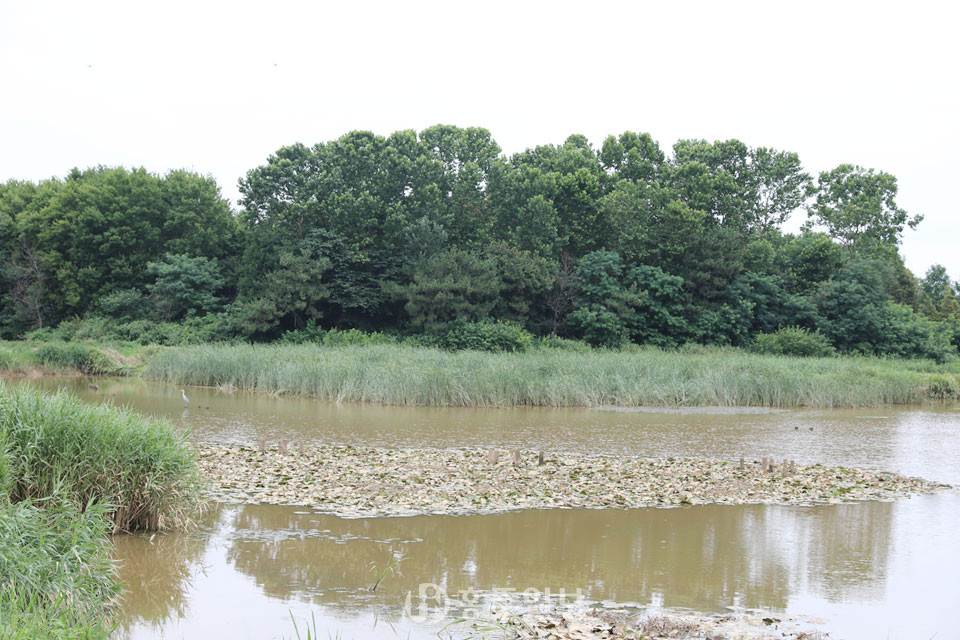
(73, 356)
(56, 576)
(15, 357)
(139, 466)
(792, 341)
(71, 474)
(407, 375)
(62, 357)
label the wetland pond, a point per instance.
(866, 570)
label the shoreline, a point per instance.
(357, 482)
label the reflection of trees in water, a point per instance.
(157, 571)
(699, 557)
(841, 552)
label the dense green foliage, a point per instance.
(554, 374)
(413, 233)
(792, 341)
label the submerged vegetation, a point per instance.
(70, 474)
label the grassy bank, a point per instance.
(27, 357)
(70, 474)
(403, 375)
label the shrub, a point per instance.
(75, 356)
(562, 344)
(484, 336)
(943, 387)
(213, 327)
(792, 341)
(310, 333)
(337, 337)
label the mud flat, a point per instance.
(370, 481)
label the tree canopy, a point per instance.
(416, 231)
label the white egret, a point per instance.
(186, 400)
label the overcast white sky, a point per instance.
(217, 86)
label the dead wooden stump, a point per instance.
(493, 457)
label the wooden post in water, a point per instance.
(540, 459)
(282, 447)
(493, 456)
(303, 447)
(262, 445)
(516, 457)
(741, 463)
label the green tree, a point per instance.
(184, 286)
(851, 307)
(452, 285)
(632, 156)
(936, 297)
(616, 303)
(96, 231)
(858, 208)
(781, 187)
(525, 279)
(289, 296)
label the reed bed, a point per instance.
(406, 375)
(56, 577)
(70, 474)
(55, 445)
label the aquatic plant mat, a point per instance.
(566, 624)
(366, 481)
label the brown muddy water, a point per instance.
(870, 570)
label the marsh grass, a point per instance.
(55, 445)
(405, 375)
(56, 576)
(64, 357)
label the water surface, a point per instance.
(872, 570)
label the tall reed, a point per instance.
(55, 445)
(405, 375)
(56, 576)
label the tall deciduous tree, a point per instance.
(858, 208)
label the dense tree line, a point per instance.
(414, 232)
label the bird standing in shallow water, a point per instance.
(186, 400)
